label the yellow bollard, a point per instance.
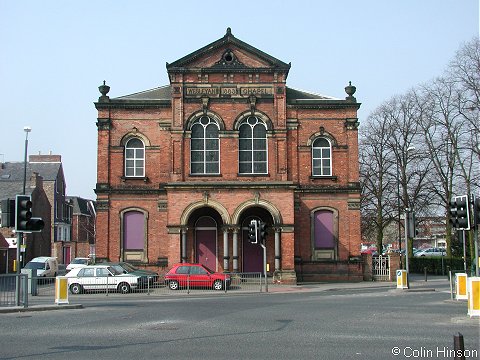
(461, 286)
(402, 279)
(473, 300)
(61, 290)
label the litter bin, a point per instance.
(473, 300)
(461, 286)
(402, 282)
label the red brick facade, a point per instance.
(188, 215)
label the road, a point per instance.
(370, 323)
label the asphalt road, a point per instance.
(371, 323)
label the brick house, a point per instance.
(184, 168)
(83, 227)
(11, 184)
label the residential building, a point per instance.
(83, 227)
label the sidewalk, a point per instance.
(417, 284)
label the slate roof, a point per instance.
(164, 93)
(80, 205)
(11, 176)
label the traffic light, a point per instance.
(262, 230)
(253, 232)
(412, 225)
(8, 213)
(476, 211)
(24, 222)
(460, 213)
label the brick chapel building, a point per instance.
(184, 168)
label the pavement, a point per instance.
(417, 283)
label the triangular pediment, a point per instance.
(230, 54)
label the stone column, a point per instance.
(225, 249)
(184, 244)
(235, 248)
(278, 250)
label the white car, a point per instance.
(78, 262)
(100, 277)
(430, 252)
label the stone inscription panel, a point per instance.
(228, 91)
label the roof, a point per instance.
(80, 205)
(3, 243)
(12, 174)
(164, 93)
(225, 41)
(14, 171)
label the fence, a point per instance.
(8, 290)
(113, 286)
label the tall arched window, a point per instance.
(321, 157)
(325, 234)
(133, 235)
(205, 147)
(134, 158)
(253, 146)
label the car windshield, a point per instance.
(79, 261)
(119, 269)
(128, 267)
(115, 271)
(210, 271)
(35, 265)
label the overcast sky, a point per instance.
(55, 54)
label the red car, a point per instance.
(195, 276)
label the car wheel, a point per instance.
(173, 285)
(76, 289)
(124, 288)
(218, 285)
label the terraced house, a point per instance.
(184, 168)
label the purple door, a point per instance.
(206, 240)
(252, 255)
(206, 244)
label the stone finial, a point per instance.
(104, 89)
(229, 31)
(350, 90)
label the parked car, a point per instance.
(79, 262)
(100, 277)
(195, 276)
(430, 252)
(127, 268)
(46, 266)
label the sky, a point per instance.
(54, 54)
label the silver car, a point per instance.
(430, 252)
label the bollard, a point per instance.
(461, 286)
(425, 271)
(459, 347)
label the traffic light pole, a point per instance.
(264, 264)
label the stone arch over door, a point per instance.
(190, 209)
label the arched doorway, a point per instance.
(206, 242)
(252, 254)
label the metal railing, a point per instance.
(9, 296)
(381, 268)
(44, 287)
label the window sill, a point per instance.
(137, 178)
(254, 175)
(329, 177)
(205, 175)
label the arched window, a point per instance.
(324, 237)
(205, 147)
(133, 233)
(134, 158)
(253, 146)
(321, 157)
